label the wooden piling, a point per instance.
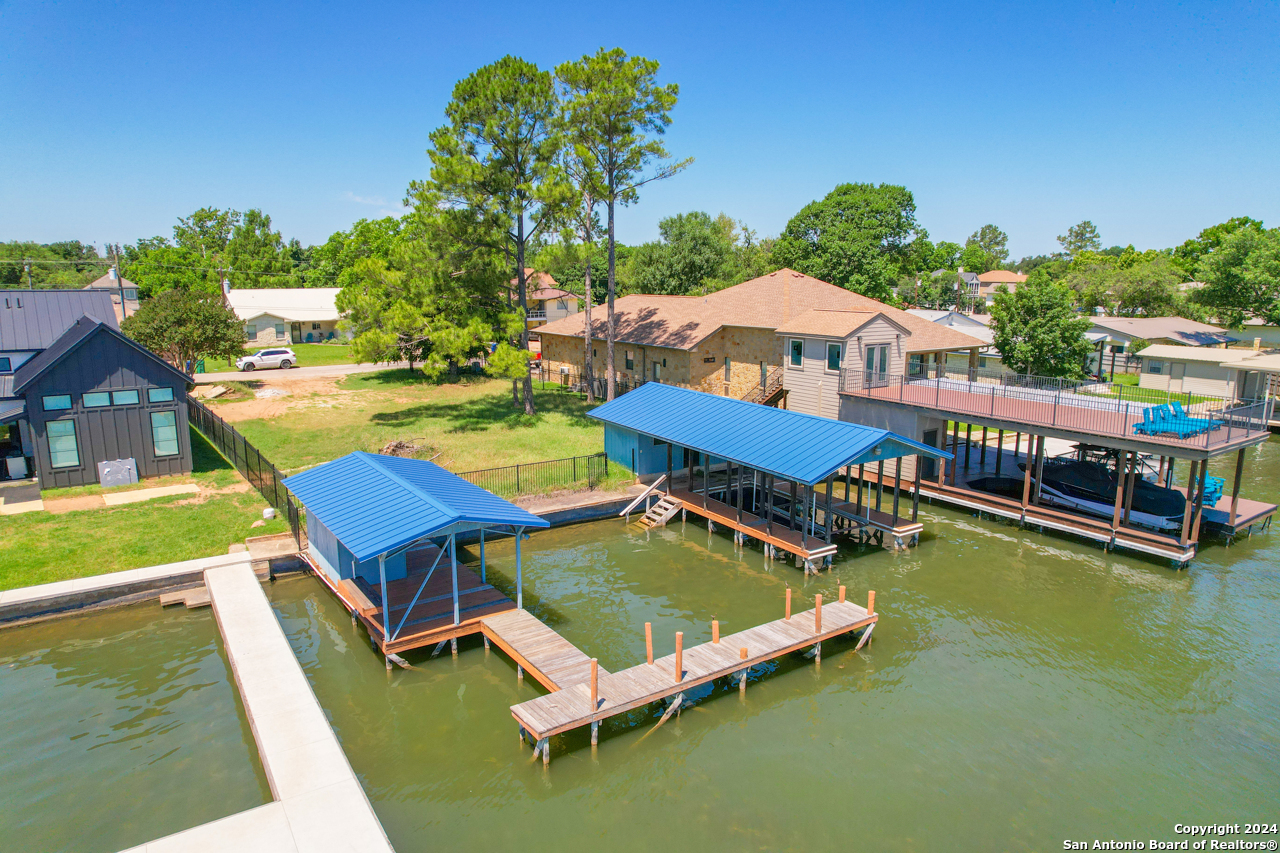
(595, 685)
(817, 614)
(788, 616)
(842, 595)
(715, 631)
(648, 641)
(742, 677)
(679, 656)
(871, 602)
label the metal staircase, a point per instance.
(661, 512)
(766, 392)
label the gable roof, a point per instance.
(833, 323)
(1179, 329)
(376, 504)
(1206, 355)
(767, 302)
(792, 445)
(296, 304)
(34, 319)
(1001, 277)
(952, 319)
(80, 331)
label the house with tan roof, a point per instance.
(278, 316)
(989, 283)
(732, 342)
(546, 300)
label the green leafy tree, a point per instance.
(857, 237)
(206, 232)
(332, 263)
(993, 242)
(1037, 330)
(156, 266)
(1189, 255)
(619, 112)
(695, 249)
(1242, 277)
(183, 327)
(65, 264)
(975, 259)
(1081, 238)
(256, 255)
(495, 165)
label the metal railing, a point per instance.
(250, 462)
(574, 381)
(770, 384)
(536, 315)
(530, 478)
(1099, 408)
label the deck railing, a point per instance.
(1099, 408)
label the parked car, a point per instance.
(282, 358)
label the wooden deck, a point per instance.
(431, 620)
(619, 692)
(791, 541)
(1249, 513)
(903, 530)
(551, 659)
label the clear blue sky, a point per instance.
(1153, 120)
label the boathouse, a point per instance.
(384, 533)
(769, 474)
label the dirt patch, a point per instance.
(287, 392)
(61, 505)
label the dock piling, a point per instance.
(679, 656)
(871, 602)
(841, 599)
(788, 616)
(648, 641)
(595, 690)
(715, 631)
(817, 614)
(742, 675)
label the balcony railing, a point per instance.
(1097, 408)
(536, 315)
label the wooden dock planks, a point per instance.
(619, 692)
(551, 659)
(791, 541)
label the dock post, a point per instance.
(841, 599)
(519, 583)
(453, 646)
(483, 571)
(817, 613)
(1122, 476)
(848, 478)
(1195, 523)
(999, 450)
(1026, 479)
(982, 454)
(915, 493)
(648, 641)
(788, 616)
(715, 631)
(595, 732)
(879, 484)
(858, 508)
(955, 450)
(545, 747)
(871, 602)
(742, 674)
(595, 694)
(968, 443)
(1185, 536)
(1039, 468)
(453, 562)
(897, 488)
(826, 511)
(519, 673)
(679, 656)
(1235, 489)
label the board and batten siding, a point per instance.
(813, 388)
(105, 363)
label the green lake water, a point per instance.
(1021, 689)
(117, 728)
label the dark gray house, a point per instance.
(75, 392)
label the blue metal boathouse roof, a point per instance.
(791, 445)
(375, 504)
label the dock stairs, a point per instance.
(661, 512)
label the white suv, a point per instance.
(282, 358)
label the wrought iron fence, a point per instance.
(250, 462)
(571, 380)
(535, 477)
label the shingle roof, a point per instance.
(791, 445)
(296, 304)
(767, 302)
(375, 504)
(1179, 329)
(827, 323)
(34, 319)
(1001, 277)
(80, 331)
(1207, 355)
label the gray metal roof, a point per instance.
(6, 385)
(79, 332)
(34, 319)
(11, 410)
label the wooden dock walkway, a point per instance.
(551, 659)
(810, 549)
(589, 702)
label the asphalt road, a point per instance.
(292, 373)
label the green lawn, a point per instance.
(39, 547)
(463, 425)
(309, 355)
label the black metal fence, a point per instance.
(571, 380)
(534, 477)
(250, 462)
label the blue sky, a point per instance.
(1153, 120)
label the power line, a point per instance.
(225, 270)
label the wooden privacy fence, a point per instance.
(533, 477)
(250, 462)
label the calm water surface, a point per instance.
(1020, 689)
(117, 728)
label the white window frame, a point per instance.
(791, 342)
(1155, 366)
(839, 357)
(875, 378)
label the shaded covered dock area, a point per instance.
(384, 535)
(767, 474)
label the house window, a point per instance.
(4, 365)
(56, 403)
(124, 398)
(1155, 367)
(315, 326)
(164, 433)
(96, 399)
(833, 357)
(279, 330)
(131, 294)
(631, 362)
(728, 368)
(657, 372)
(251, 332)
(159, 395)
(797, 353)
(63, 452)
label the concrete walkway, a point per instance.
(319, 805)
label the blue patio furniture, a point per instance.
(1213, 488)
(309, 337)
(1173, 420)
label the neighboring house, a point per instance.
(726, 342)
(275, 316)
(1113, 336)
(969, 325)
(546, 301)
(988, 284)
(1230, 374)
(124, 294)
(75, 392)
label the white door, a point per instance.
(877, 365)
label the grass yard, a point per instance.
(463, 425)
(309, 355)
(40, 547)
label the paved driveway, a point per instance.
(294, 372)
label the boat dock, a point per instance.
(604, 694)
(808, 548)
(552, 660)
